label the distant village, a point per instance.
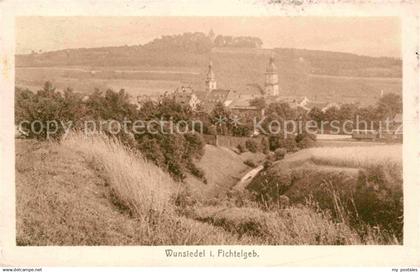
(238, 102)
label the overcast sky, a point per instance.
(373, 36)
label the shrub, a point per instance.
(48, 110)
(280, 153)
(197, 171)
(251, 145)
(267, 164)
(379, 198)
(194, 145)
(289, 143)
(305, 140)
(241, 148)
(270, 156)
(110, 105)
(284, 141)
(271, 183)
(173, 152)
(250, 163)
(264, 146)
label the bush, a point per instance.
(251, 145)
(194, 145)
(379, 198)
(48, 110)
(267, 164)
(271, 183)
(241, 148)
(175, 152)
(305, 140)
(264, 146)
(172, 152)
(288, 142)
(250, 163)
(280, 153)
(197, 171)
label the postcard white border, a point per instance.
(408, 254)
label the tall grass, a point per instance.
(150, 194)
(147, 192)
(160, 214)
(288, 226)
(138, 185)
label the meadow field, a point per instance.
(358, 156)
(85, 79)
(321, 76)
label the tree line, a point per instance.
(175, 152)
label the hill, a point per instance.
(84, 205)
(164, 64)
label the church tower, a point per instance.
(210, 79)
(271, 86)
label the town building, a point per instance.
(186, 97)
(210, 79)
(238, 101)
(271, 86)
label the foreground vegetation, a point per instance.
(361, 186)
(112, 196)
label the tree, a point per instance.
(389, 105)
(172, 151)
(251, 145)
(111, 105)
(347, 112)
(331, 114)
(46, 113)
(366, 116)
(282, 110)
(219, 117)
(317, 115)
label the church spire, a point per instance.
(210, 73)
(210, 79)
(271, 78)
(271, 68)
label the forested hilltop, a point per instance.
(194, 49)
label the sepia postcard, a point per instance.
(276, 133)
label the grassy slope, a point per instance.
(62, 200)
(77, 195)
